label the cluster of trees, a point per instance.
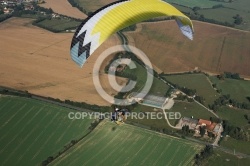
(201, 17)
(128, 75)
(248, 98)
(74, 4)
(15, 93)
(237, 19)
(226, 1)
(202, 130)
(169, 91)
(19, 10)
(47, 161)
(235, 132)
(200, 99)
(182, 73)
(88, 106)
(189, 92)
(94, 124)
(217, 6)
(185, 131)
(229, 75)
(129, 28)
(247, 117)
(215, 120)
(226, 100)
(204, 154)
(183, 98)
(5, 17)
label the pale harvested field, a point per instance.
(64, 7)
(170, 51)
(39, 61)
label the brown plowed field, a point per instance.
(214, 48)
(64, 7)
(39, 61)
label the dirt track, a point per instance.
(64, 7)
(37, 60)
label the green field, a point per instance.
(238, 89)
(110, 144)
(196, 81)
(222, 14)
(239, 146)
(195, 3)
(190, 109)
(59, 24)
(234, 116)
(150, 123)
(32, 130)
(158, 87)
(220, 158)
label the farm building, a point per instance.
(195, 124)
(185, 121)
(152, 100)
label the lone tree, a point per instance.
(238, 19)
(202, 130)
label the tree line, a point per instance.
(93, 107)
(235, 132)
(225, 100)
(203, 155)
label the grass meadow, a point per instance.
(237, 89)
(59, 24)
(196, 81)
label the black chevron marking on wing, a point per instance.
(80, 38)
(82, 48)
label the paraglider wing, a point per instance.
(116, 16)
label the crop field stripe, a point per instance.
(62, 158)
(13, 115)
(36, 138)
(191, 158)
(65, 131)
(165, 149)
(39, 120)
(137, 151)
(187, 154)
(127, 149)
(174, 154)
(20, 131)
(42, 146)
(114, 149)
(7, 112)
(123, 139)
(169, 153)
(151, 150)
(104, 147)
(21, 143)
(5, 104)
(13, 127)
(133, 143)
